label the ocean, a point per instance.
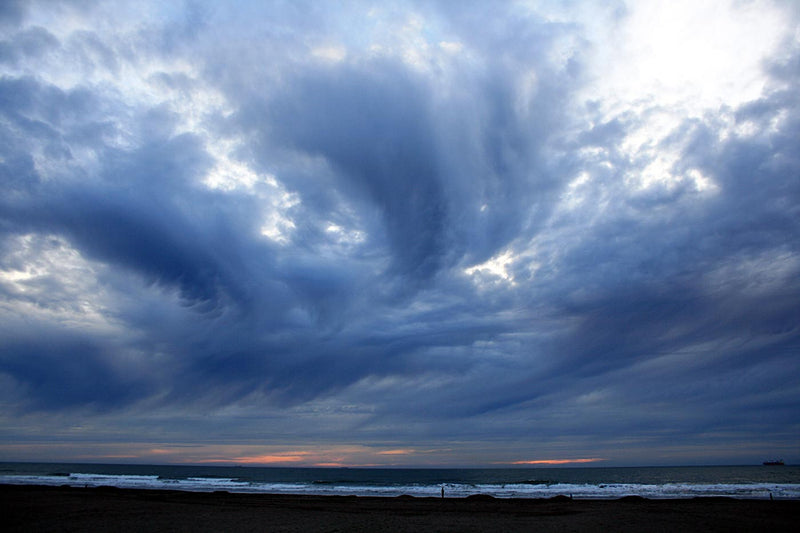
(758, 482)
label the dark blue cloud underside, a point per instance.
(62, 371)
(673, 301)
(375, 129)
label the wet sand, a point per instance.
(35, 508)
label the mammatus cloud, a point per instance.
(419, 234)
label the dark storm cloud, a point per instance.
(709, 283)
(156, 231)
(136, 213)
(140, 228)
(375, 128)
(657, 312)
(713, 280)
(429, 169)
(61, 370)
(452, 169)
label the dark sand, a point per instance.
(33, 508)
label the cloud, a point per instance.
(445, 231)
(372, 126)
(12, 12)
(57, 370)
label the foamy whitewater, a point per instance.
(757, 482)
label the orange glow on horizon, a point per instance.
(397, 452)
(348, 465)
(557, 461)
(266, 459)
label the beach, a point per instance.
(41, 508)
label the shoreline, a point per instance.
(66, 508)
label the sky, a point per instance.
(400, 233)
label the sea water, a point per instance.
(758, 482)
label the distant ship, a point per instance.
(778, 462)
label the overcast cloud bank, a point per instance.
(424, 233)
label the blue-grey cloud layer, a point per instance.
(646, 317)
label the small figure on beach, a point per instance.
(442, 491)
